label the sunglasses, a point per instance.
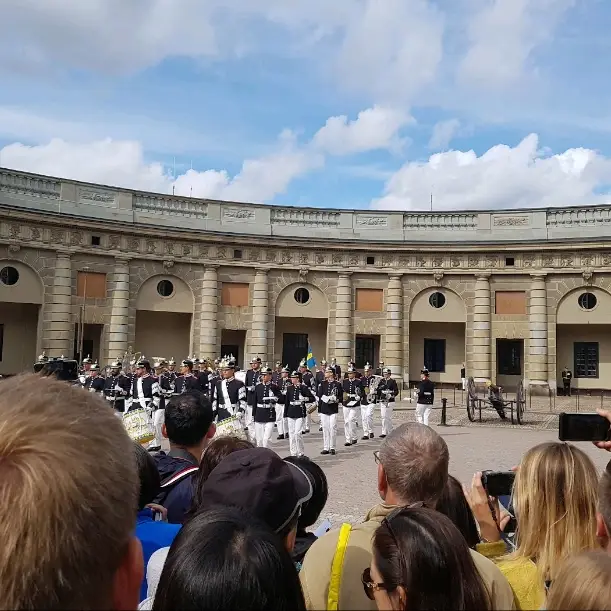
(370, 586)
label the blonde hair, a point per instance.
(583, 583)
(68, 490)
(555, 499)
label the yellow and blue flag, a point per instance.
(311, 360)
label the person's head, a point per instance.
(225, 559)
(312, 508)
(255, 364)
(278, 366)
(260, 482)
(189, 422)
(555, 499)
(421, 561)
(583, 583)
(386, 372)
(94, 370)
(266, 375)
(186, 367)
(603, 526)
(229, 371)
(296, 378)
(69, 491)
(413, 465)
(115, 368)
(329, 374)
(143, 368)
(286, 372)
(150, 481)
(351, 373)
(424, 374)
(171, 364)
(158, 367)
(453, 504)
(214, 453)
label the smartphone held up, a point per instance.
(583, 427)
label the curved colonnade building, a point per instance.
(512, 293)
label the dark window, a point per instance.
(237, 254)
(165, 288)
(294, 348)
(437, 300)
(509, 356)
(302, 295)
(9, 276)
(1, 340)
(435, 355)
(364, 351)
(586, 359)
(95, 240)
(371, 260)
(510, 261)
(587, 301)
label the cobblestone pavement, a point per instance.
(490, 445)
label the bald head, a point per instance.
(415, 462)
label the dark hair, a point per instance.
(224, 559)
(453, 504)
(150, 482)
(212, 456)
(427, 555)
(311, 510)
(188, 418)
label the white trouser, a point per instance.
(329, 430)
(295, 440)
(349, 424)
(249, 423)
(422, 413)
(263, 433)
(158, 421)
(386, 413)
(307, 422)
(464, 383)
(367, 418)
(281, 420)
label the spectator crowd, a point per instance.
(91, 520)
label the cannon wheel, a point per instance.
(470, 399)
(520, 402)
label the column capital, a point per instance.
(483, 277)
(262, 270)
(393, 276)
(538, 276)
(63, 253)
(211, 268)
(122, 259)
(345, 274)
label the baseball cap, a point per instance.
(260, 483)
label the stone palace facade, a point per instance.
(90, 269)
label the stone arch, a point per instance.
(180, 300)
(316, 307)
(568, 311)
(568, 285)
(454, 310)
(29, 288)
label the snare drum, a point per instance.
(230, 427)
(139, 426)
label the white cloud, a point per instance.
(503, 34)
(502, 177)
(443, 133)
(374, 128)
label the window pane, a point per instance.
(586, 359)
(435, 355)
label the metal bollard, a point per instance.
(444, 406)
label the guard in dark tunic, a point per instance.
(567, 376)
(281, 421)
(297, 395)
(253, 376)
(116, 387)
(172, 369)
(267, 395)
(354, 393)
(337, 369)
(329, 398)
(146, 395)
(307, 378)
(387, 392)
(368, 403)
(426, 398)
(277, 374)
(187, 380)
(228, 394)
(94, 381)
(380, 369)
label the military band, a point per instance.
(258, 400)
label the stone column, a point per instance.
(260, 310)
(481, 330)
(58, 318)
(393, 351)
(118, 334)
(208, 330)
(537, 322)
(343, 320)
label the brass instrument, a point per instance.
(371, 391)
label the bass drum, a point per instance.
(139, 426)
(230, 427)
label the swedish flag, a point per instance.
(311, 361)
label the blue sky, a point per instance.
(352, 104)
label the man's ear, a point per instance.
(128, 577)
(211, 431)
(164, 431)
(382, 482)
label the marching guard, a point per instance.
(297, 395)
(353, 395)
(387, 392)
(336, 369)
(281, 421)
(277, 374)
(145, 395)
(426, 397)
(321, 374)
(368, 404)
(253, 376)
(229, 400)
(267, 395)
(116, 387)
(172, 369)
(94, 381)
(329, 397)
(187, 380)
(307, 378)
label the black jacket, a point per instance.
(295, 400)
(265, 398)
(426, 392)
(327, 388)
(236, 392)
(390, 385)
(353, 387)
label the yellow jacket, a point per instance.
(315, 573)
(521, 573)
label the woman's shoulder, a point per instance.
(525, 580)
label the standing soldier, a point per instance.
(353, 394)
(267, 395)
(426, 397)
(367, 405)
(336, 369)
(329, 397)
(297, 395)
(307, 378)
(387, 392)
(253, 376)
(380, 369)
(145, 395)
(321, 374)
(281, 422)
(277, 375)
(228, 394)
(116, 387)
(172, 370)
(204, 376)
(567, 376)
(187, 380)
(463, 377)
(94, 381)
(84, 370)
